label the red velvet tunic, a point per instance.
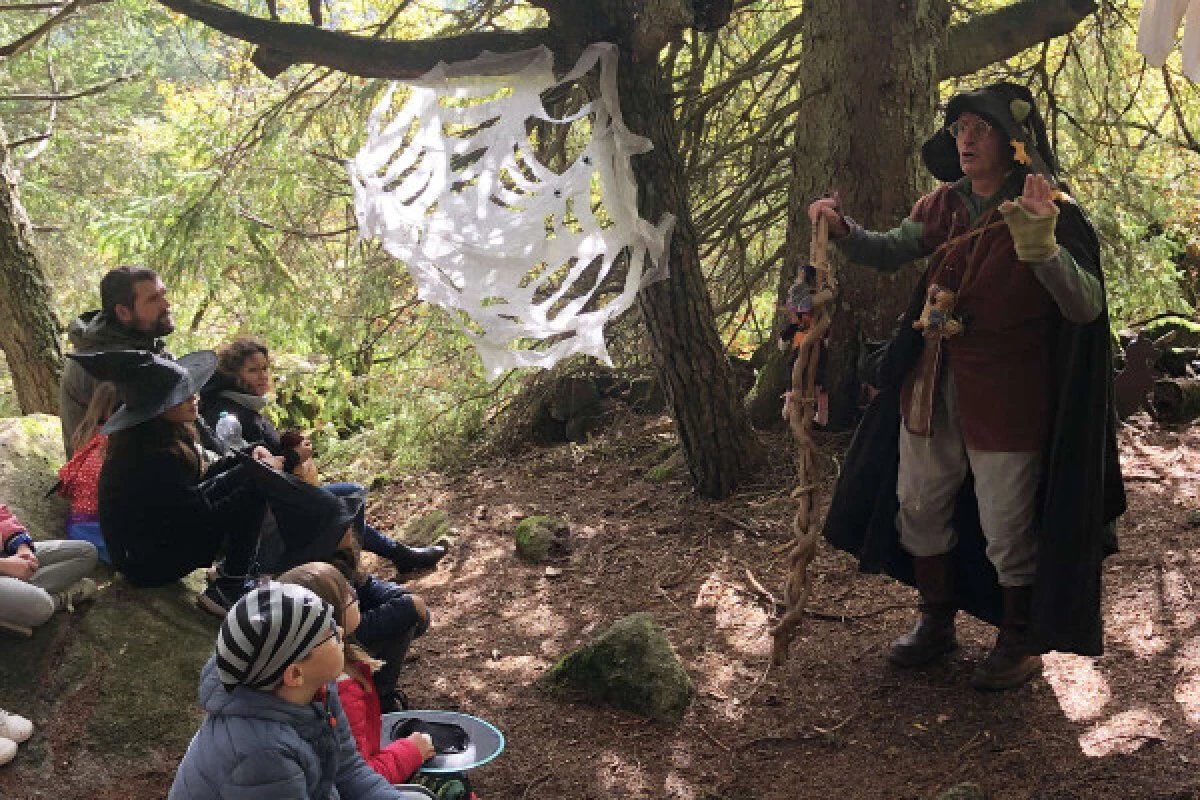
(1002, 361)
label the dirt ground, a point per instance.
(835, 721)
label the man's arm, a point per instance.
(1077, 292)
(886, 252)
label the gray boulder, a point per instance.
(31, 452)
(632, 666)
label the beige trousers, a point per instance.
(932, 470)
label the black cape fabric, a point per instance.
(308, 522)
(1081, 495)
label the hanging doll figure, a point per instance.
(800, 321)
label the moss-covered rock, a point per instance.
(631, 666)
(31, 451)
(540, 539)
(660, 473)
(116, 679)
(427, 529)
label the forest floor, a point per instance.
(835, 721)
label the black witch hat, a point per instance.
(148, 383)
(1010, 108)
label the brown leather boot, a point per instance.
(933, 635)
(1010, 663)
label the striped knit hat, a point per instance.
(268, 629)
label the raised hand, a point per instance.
(1038, 197)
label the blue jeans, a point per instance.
(372, 540)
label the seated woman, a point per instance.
(240, 387)
(37, 579)
(79, 478)
(166, 507)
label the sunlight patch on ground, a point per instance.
(523, 668)
(1132, 621)
(737, 614)
(1187, 694)
(677, 788)
(1080, 687)
(1124, 733)
(619, 776)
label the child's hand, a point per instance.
(262, 454)
(424, 744)
(26, 552)
(17, 567)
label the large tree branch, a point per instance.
(987, 38)
(282, 44)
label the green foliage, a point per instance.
(233, 186)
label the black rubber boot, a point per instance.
(1010, 664)
(933, 635)
(410, 559)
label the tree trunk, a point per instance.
(877, 98)
(878, 93)
(714, 431)
(28, 328)
(716, 437)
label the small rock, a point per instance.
(631, 666)
(542, 538)
(553, 572)
(659, 473)
(964, 791)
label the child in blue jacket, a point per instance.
(275, 727)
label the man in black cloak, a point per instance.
(985, 471)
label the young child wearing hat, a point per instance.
(275, 727)
(399, 760)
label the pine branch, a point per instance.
(75, 95)
(23, 43)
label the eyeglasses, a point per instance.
(335, 633)
(977, 127)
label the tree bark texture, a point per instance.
(876, 88)
(28, 328)
(715, 435)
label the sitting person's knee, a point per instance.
(422, 613)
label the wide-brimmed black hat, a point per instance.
(1010, 107)
(149, 384)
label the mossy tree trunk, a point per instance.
(28, 326)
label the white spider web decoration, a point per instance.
(451, 186)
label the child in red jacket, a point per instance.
(79, 478)
(399, 760)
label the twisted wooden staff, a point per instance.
(805, 528)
